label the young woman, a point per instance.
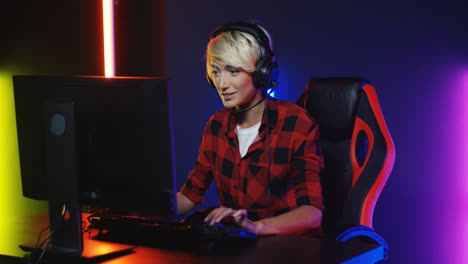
(262, 153)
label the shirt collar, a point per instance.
(272, 110)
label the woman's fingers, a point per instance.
(226, 212)
(212, 215)
(218, 214)
(240, 217)
(241, 212)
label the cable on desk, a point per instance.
(40, 246)
(40, 235)
(46, 240)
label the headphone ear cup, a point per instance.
(266, 75)
(261, 74)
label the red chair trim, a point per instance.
(373, 195)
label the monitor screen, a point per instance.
(113, 136)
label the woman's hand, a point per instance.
(239, 217)
(297, 221)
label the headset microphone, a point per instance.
(234, 111)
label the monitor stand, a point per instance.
(65, 214)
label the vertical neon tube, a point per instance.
(108, 32)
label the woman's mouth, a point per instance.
(228, 96)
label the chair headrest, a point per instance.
(333, 103)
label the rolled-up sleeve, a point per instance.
(201, 176)
(307, 164)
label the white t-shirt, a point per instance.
(246, 137)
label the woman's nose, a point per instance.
(223, 83)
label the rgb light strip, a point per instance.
(108, 34)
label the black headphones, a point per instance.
(266, 74)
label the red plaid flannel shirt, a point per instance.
(242, 183)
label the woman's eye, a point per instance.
(233, 71)
(214, 73)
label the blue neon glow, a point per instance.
(271, 92)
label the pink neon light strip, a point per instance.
(108, 32)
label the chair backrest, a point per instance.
(357, 148)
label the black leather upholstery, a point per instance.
(333, 102)
(357, 148)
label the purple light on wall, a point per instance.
(456, 242)
(464, 192)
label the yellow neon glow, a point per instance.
(12, 203)
(8, 168)
(108, 32)
(9, 165)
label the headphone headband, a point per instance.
(249, 28)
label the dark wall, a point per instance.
(55, 37)
(139, 37)
(414, 52)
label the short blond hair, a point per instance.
(233, 48)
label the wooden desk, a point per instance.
(265, 250)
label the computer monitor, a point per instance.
(101, 141)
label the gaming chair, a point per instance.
(358, 153)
